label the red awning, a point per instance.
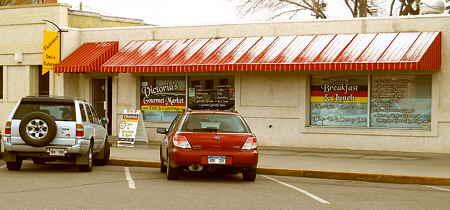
(88, 58)
(404, 51)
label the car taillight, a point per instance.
(181, 142)
(8, 128)
(250, 143)
(79, 131)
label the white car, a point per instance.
(48, 129)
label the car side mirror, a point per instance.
(162, 131)
(104, 121)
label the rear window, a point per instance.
(60, 111)
(223, 123)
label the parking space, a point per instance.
(108, 187)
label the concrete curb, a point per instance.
(316, 174)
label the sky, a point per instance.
(165, 12)
(189, 12)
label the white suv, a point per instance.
(52, 129)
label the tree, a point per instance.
(407, 7)
(283, 8)
(291, 8)
(359, 8)
(5, 2)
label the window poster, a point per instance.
(211, 93)
(401, 101)
(339, 101)
(162, 98)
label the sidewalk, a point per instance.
(328, 160)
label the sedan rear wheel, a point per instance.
(162, 166)
(171, 172)
(249, 174)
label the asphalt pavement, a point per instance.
(329, 160)
(117, 187)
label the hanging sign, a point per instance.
(51, 51)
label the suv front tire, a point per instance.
(14, 165)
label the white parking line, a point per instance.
(130, 180)
(298, 189)
(438, 188)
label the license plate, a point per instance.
(216, 160)
(56, 152)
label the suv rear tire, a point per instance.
(87, 167)
(50, 129)
(14, 165)
(106, 154)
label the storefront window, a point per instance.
(396, 101)
(211, 92)
(162, 98)
(401, 101)
(339, 101)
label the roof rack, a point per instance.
(57, 97)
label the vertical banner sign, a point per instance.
(51, 51)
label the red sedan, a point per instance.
(208, 141)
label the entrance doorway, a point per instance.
(101, 99)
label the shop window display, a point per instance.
(211, 93)
(162, 98)
(339, 101)
(401, 101)
(396, 101)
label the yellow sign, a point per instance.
(163, 108)
(50, 47)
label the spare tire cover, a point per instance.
(37, 129)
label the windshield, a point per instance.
(60, 111)
(224, 123)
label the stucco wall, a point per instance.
(92, 21)
(278, 117)
(21, 31)
(276, 104)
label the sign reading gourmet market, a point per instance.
(166, 95)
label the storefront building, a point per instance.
(364, 84)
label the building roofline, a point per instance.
(35, 6)
(275, 22)
(105, 17)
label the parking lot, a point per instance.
(115, 187)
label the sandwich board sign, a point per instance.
(131, 127)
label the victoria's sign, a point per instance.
(167, 95)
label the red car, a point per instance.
(199, 141)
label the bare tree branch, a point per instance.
(5, 2)
(391, 10)
(294, 11)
